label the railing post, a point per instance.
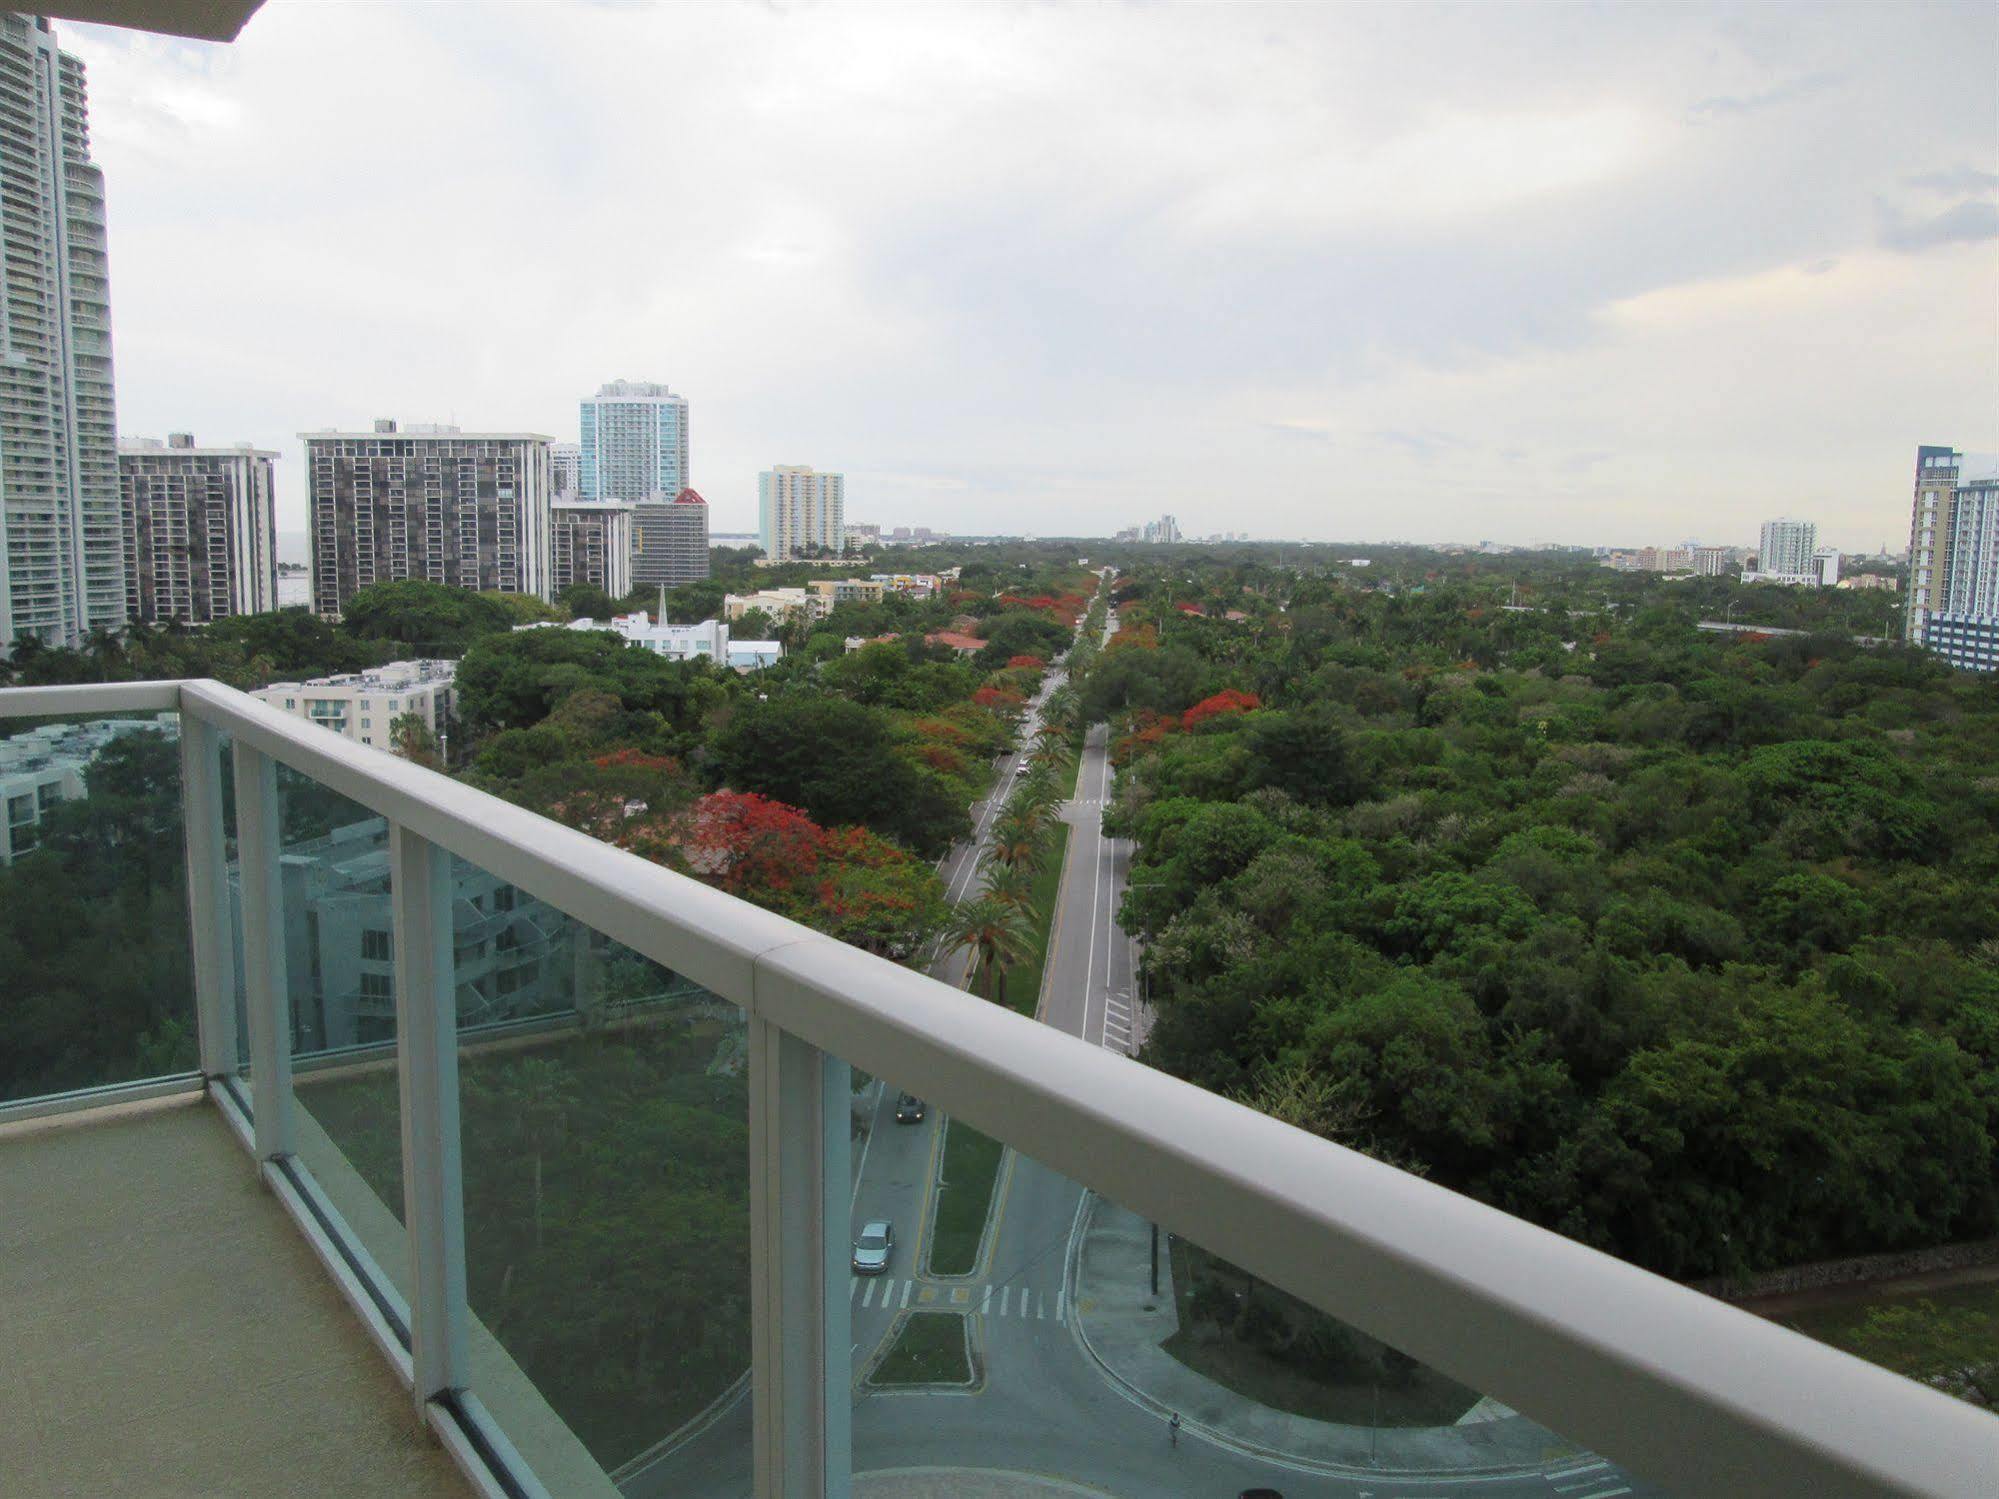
(266, 991)
(427, 1070)
(208, 896)
(800, 1184)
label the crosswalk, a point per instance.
(1594, 1480)
(1018, 1303)
(1117, 1023)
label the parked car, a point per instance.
(908, 1109)
(873, 1248)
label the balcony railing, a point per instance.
(1693, 1394)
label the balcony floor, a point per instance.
(168, 1331)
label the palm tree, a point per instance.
(1009, 884)
(1019, 840)
(993, 935)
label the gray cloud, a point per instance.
(1053, 267)
(1967, 223)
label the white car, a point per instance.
(873, 1248)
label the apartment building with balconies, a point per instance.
(431, 502)
(200, 529)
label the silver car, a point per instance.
(873, 1247)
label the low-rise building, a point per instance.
(40, 768)
(1881, 582)
(836, 591)
(964, 645)
(909, 585)
(707, 641)
(363, 704)
(781, 604)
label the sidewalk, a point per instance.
(1121, 1325)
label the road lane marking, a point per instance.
(986, 1301)
(1579, 1468)
(907, 1287)
(1607, 1493)
(869, 1299)
(853, 1287)
(1005, 1297)
(1041, 1309)
(1061, 1308)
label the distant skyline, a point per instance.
(1609, 276)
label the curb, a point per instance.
(1253, 1450)
(666, 1446)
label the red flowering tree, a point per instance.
(750, 845)
(1028, 663)
(1228, 700)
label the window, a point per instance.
(367, 723)
(503, 898)
(20, 809)
(377, 946)
(291, 702)
(377, 986)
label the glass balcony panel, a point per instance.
(1084, 1333)
(96, 970)
(339, 923)
(604, 1121)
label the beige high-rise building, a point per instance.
(799, 511)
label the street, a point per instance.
(1040, 1402)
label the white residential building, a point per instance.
(634, 442)
(363, 704)
(565, 460)
(1954, 561)
(40, 768)
(799, 510)
(62, 556)
(1787, 547)
(707, 641)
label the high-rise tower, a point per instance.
(799, 510)
(62, 559)
(1953, 587)
(634, 442)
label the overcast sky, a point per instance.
(1524, 272)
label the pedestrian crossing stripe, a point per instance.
(1015, 1302)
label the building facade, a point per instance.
(634, 442)
(590, 543)
(512, 956)
(670, 541)
(799, 511)
(565, 461)
(41, 768)
(363, 704)
(200, 532)
(62, 563)
(465, 509)
(1787, 547)
(1954, 561)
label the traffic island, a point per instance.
(965, 1179)
(930, 1350)
(1124, 1327)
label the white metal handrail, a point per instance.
(1695, 1394)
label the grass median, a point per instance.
(964, 1198)
(1022, 985)
(930, 1349)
